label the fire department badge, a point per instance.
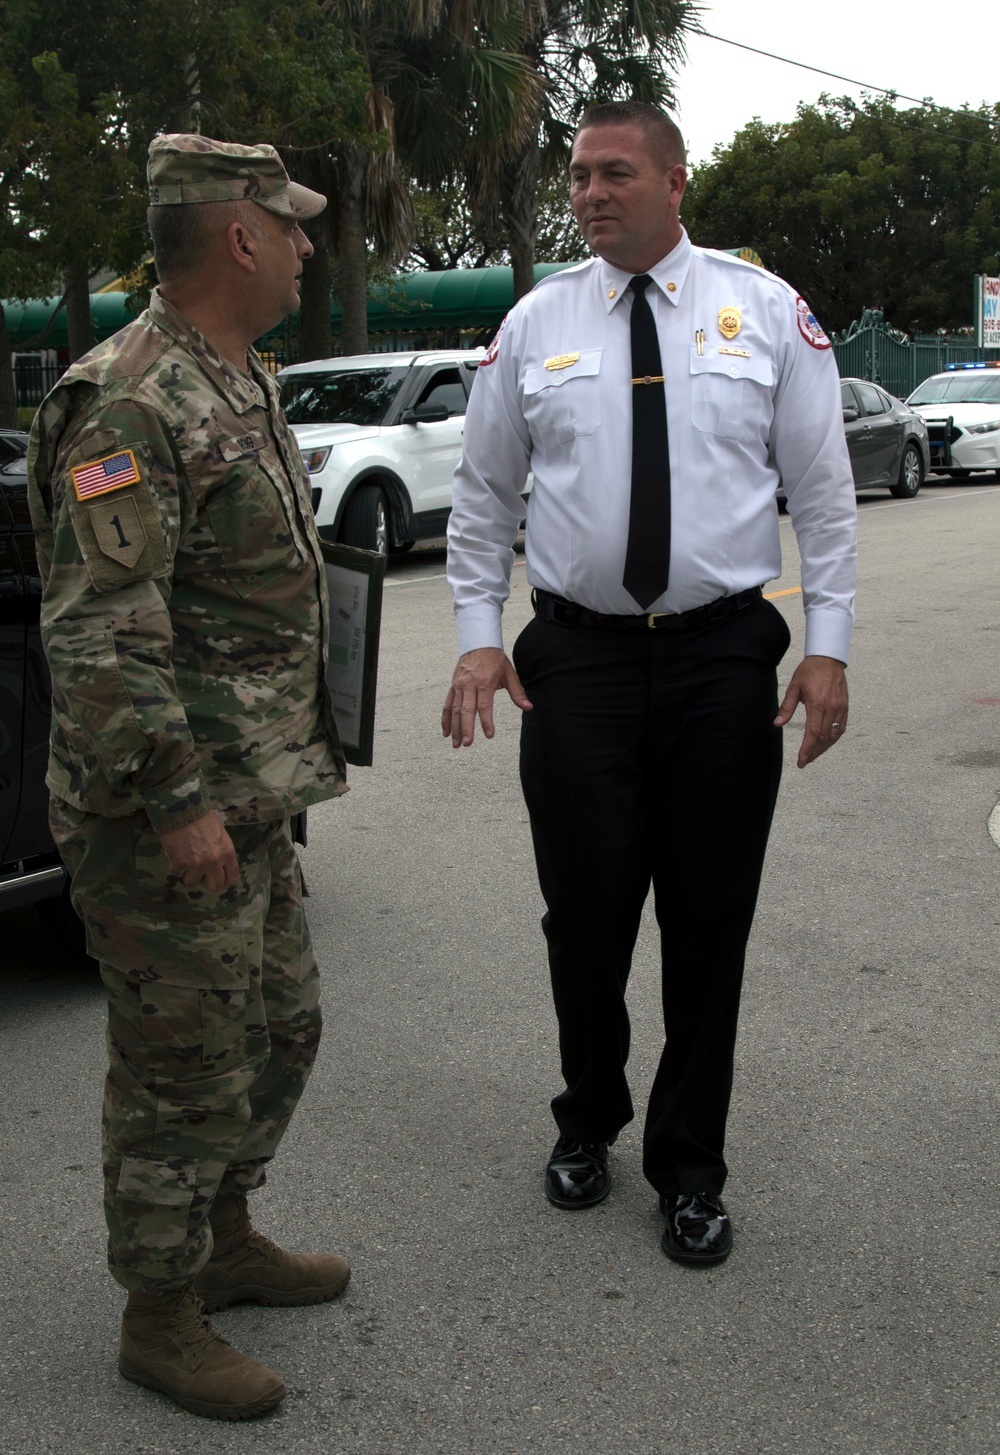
(730, 322)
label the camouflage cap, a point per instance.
(185, 168)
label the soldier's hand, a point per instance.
(820, 684)
(477, 677)
(202, 854)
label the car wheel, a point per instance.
(911, 474)
(366, 520)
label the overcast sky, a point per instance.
(919, 49)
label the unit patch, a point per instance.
(97, 477)
(119, 530)
(494, 347)
(809, 326)
(730, 322)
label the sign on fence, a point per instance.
(987, 312)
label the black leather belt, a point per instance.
(567, 613)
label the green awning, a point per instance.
(459, 298)
(25, 320)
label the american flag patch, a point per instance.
(100, 476)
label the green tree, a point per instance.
(442, 77)
(862, 205)
(448, 235)
(84, 84)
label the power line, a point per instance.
(885, 90)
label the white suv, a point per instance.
(381, 435)
(962, 410)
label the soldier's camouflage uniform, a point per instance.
(185, 621)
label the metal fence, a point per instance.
(871, 349)
(33, 378)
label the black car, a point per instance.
(31, 871)
(886, 440)
(30, 867)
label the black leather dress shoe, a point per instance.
(577, 1175)
(698, 1228)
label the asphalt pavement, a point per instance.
(859, 1310)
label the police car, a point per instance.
(962, 410)
(380, 435)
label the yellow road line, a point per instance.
(792, 591)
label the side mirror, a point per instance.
(425, 414)
(850, 414)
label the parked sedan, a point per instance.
(886, 440)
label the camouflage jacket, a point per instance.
(184, 607)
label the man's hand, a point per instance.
(477, 677)
(202, 853)
(820, 684)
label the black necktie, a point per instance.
(647, 557)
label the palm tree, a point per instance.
(583, 51)
(436, 92)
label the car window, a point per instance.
(872, 402)
(356, 396)
(964, 388)
(847, 398)
(445, 387)
(13, 457)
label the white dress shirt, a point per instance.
(744, 409)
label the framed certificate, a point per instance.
(354, 579)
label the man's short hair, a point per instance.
(181, 235)
(662, 135)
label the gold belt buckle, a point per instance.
(654, 616)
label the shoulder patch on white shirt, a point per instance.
(809, 326)
(494, 348)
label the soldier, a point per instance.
(185, 620)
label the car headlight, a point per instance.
(987, 428)
(315, 459)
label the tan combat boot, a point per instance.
(168, 1345)
(246, 1267)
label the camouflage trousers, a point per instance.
(213, 1027)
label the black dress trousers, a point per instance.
(650, 759)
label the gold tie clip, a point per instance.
(651, 379)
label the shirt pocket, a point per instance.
(564, 403)
(256, 538)
(730, 394)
